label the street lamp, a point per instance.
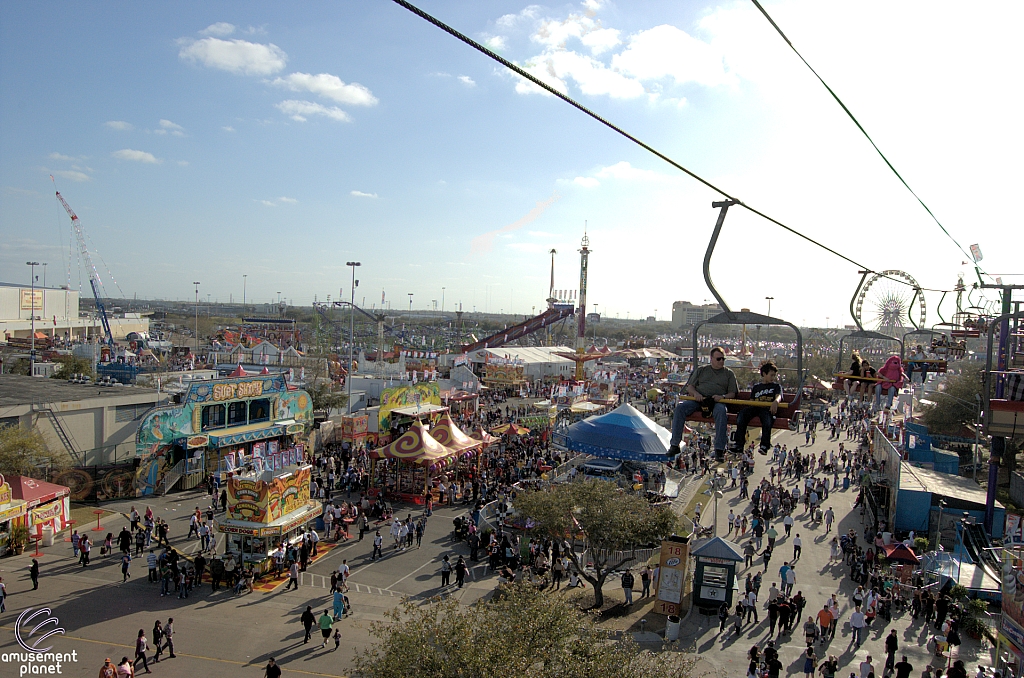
(196, 283)
(410, 301)
(938, 529)
(32, 353)
(442, 301)
(244, 281)
(769, 305)
(351, 330)
(44, 276)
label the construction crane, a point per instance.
(94, 276)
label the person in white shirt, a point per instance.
(343, 574)
(857, 623)
(730, 520)
(798, 544)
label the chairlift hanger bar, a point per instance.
(572, 102)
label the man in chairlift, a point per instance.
(709, 384)
(768, 391)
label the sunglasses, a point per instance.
(719, 359)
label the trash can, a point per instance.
(47, 535)
(672, 627)
(846, 483)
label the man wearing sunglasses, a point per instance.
(710, 384)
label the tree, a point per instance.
(69, 364)
(325, 397)
(608, 519)
(954, 407)
(518, 633)
(23, 452)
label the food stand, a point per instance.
(11, 512)
(47, 505)
(266, 509)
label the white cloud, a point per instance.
(586, 182)
(495, 43)
(467, 81)
(668, 52)
(119, 125)
(601, 40)
(235, 56)
(268, 203)
(221, 28)
(592, 76)
(360, 194)
(72, 175)
(328, 86)
(298, 110)
(623, 170)
(173, 128)
(183, 163)
(136, 156)
(510, 21)
(288, 200)
(228, 128)
(592, 5)
(61, 156)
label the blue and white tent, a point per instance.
(623, 433)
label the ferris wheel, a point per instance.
(889, 301)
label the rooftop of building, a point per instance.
(16, 389)
(919, 479)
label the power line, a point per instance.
(864, 132)
(572, 102)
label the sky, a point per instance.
(263, 145)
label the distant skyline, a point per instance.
(225, 139)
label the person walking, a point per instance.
(293, 576)
(169, 637)
(85, 547)
(158, 637)
(446, 571)
(307, 619)
(798, 544)
(378, 542)
(33, 573)
(271, 670)
(892, 644)
(141, 647)
(460, 571)
(108, 670)
(126, 561)
(857, 624)
(326, 626)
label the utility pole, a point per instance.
(442, 301)
(196, 283)
(244, 281)
(351, 331)
(410, 301)
(32, 353)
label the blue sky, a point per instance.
(207, 141)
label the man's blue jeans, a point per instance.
(687, 407)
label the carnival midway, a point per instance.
(341, 489)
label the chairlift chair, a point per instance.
(790, 405)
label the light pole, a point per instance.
(44, 276)
(244, 281)
(351, 331)
(196, 283)
(442, 301)
(938, 528)
(32, 353)
(769, 305)
(410, 301)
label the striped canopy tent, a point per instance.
(451, 436)
(511, 429)
(483, 436)
(417, 447)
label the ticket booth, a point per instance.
(714, 578)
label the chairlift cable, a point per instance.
(864, 132)
(572, 102)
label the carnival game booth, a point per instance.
(46, 504)
(406, 467)
(267, 508)
(12, 512)
(219, 425)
